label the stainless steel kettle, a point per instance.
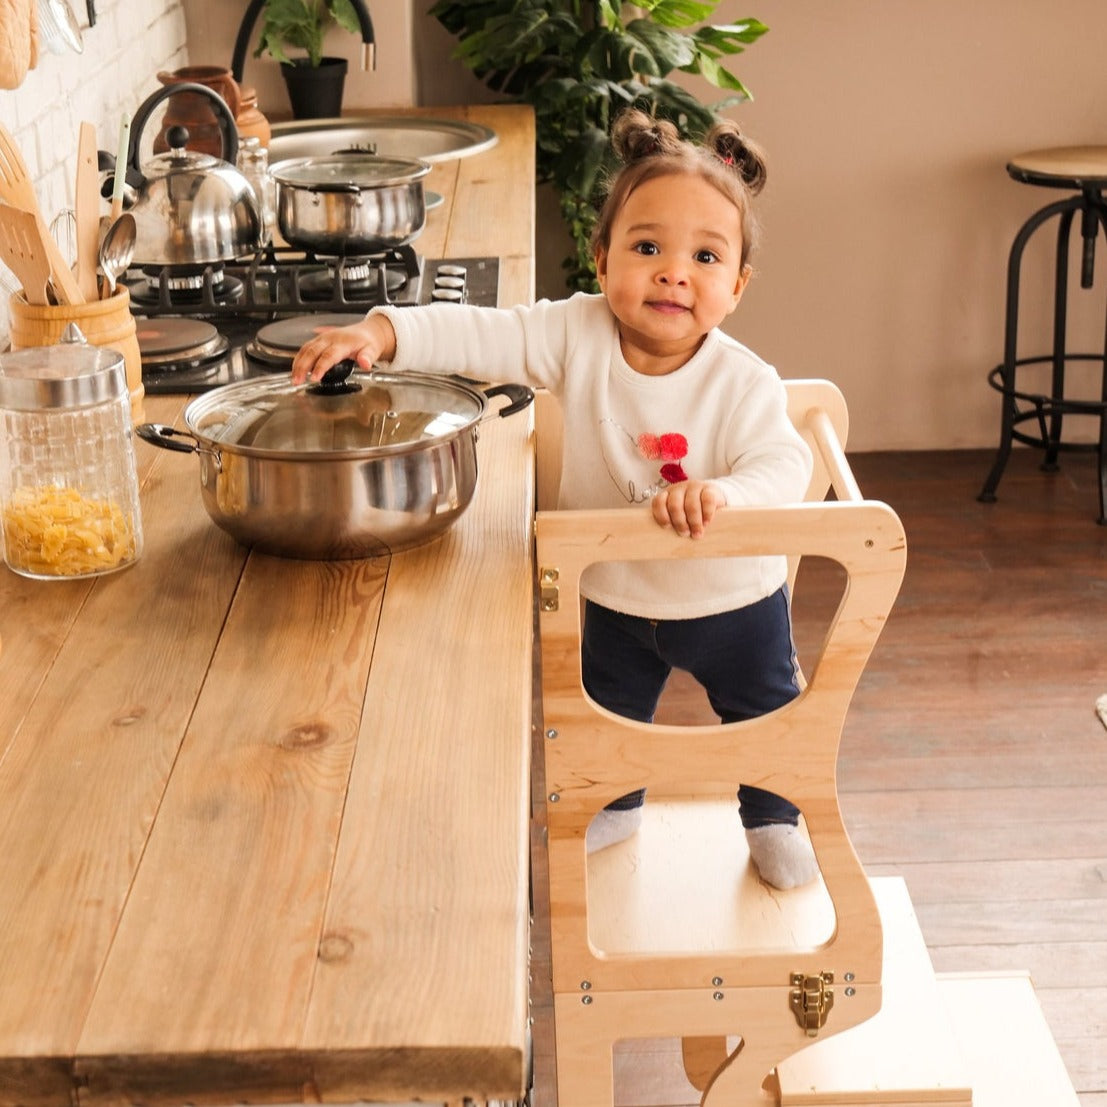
(191, 208)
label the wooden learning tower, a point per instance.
(671, 936)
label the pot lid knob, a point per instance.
(333, 382)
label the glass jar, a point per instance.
(69, 502)
(253, 164)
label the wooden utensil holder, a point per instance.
(107, 323)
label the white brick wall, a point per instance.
(117, 70)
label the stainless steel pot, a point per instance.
(354, 466)
(191, 209)
(349, 205)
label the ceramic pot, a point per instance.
(188, 109)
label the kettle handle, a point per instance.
(227, 128)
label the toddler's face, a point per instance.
(672, 270)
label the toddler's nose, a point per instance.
(672, 274)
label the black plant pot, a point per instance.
(315, 91)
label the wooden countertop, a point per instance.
(263, 822)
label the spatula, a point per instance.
(87, 207)
(22, 250)
(17, 189)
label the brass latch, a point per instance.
(811, 1000)
(549, 595)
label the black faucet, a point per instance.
(253, 10)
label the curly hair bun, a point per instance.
(635, 136)
(733, 148)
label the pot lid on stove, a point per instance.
(356, 414)
(342, 172)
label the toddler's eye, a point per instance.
(646, 248)
(706, 257)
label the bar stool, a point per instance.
(1084, 170)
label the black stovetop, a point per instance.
(239, 299)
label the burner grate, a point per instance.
(280, 281)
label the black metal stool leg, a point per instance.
(1005, 384)
(1052, 438)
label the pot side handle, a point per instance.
(520, 396)
(167, 438)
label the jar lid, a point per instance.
(71, 374)
(366, 414)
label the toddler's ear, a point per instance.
(601, 267)
(740, 284)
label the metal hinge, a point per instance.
(549, 594)
(811, 999)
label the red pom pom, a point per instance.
(649, 446)
(673, 473)
(673, 447)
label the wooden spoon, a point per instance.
(17, 189)
(23, 251)
(87, 206)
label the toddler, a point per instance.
(663, 412)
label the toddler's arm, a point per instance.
(372, 339)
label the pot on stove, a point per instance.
(350, 204)
(192, 208)
(352, 466)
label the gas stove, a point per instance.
(201, 327)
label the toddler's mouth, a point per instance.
(667, 307)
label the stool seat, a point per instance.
(1062, 167)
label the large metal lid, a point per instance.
(71, 374)
(347, 172)
(366, 414)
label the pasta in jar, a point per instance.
(57, 531)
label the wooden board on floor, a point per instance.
(907, 1054)
(1005, 1040)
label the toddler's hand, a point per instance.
(370, 340)
(687, 507)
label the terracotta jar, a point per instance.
(195, 112)
(249, 119)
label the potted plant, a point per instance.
(314, 81)
(578, 63)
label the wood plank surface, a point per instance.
(453, 813)
(86, 766)
(237, 859)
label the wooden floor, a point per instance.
(973, 763)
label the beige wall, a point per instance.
(888, 214)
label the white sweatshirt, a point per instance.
(721, 417)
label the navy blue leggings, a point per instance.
(745, 660)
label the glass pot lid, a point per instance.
(351, 415)
(347, 172)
